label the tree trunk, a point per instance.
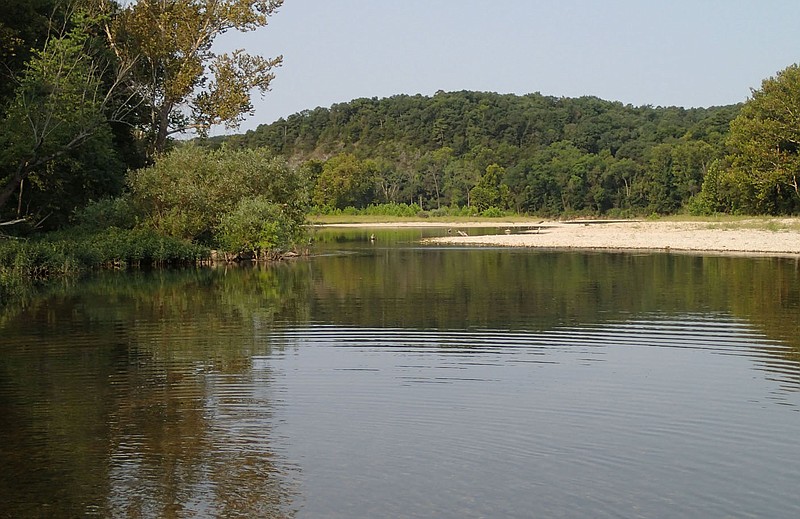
(12, 184)
(436, 186)
(19, 200)
(162, 129)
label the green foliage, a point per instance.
(493, 212)
(393, 209)
(260, 226)
(397, 210)
(187, 192)
(345, 181)
(56, 144)
(24, 26)
(168, 47)
(140, 246)
(560, 155)
(81, 78)
(722, 192)
(491, 193)
(65, 253)
(109, 212)
(23, 262)
(765, 142)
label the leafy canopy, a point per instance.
(185, 85)
(61, 104)
(189, 192)
(765, 138)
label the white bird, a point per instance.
(462, 233)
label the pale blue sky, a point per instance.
(669, 52)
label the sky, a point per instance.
(689, 53)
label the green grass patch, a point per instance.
(24, 263)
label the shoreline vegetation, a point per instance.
(25, 264)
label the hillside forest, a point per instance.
(530, 154)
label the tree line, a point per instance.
(94, 91)
(547, 155)
(531, 154)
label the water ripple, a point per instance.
(544, 415)
(718, 334)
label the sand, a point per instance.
(759, 236)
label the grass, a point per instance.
(24, 263)
(734, 222)
(772, 225)
(722, 222)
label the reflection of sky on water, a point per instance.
(475, 423)
(395, 378)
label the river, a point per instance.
(389, 379)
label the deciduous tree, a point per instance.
(490, 191)
(64, 99)
(346, 181)
(183, 82)
(765, 137)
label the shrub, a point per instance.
(188, 191)
(492, 212)
(108, 212)
(260, 226)
(140, 247)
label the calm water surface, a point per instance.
(392, 380)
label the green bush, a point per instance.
(393, 209)
(140, 247)
(259, 226)
(188, 191)
(616, 213)
(492, 212)
(105, 213)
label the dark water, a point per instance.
(391, 380)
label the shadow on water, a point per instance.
(142, 394)
(135, 396)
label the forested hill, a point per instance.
(557, 154)
(465, 121)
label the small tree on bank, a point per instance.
(490, 191)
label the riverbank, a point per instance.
(769, 236)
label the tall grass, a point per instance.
(26, 262)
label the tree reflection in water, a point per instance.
(141, 394)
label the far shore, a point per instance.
(763, 236)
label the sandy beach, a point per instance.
(778, 236)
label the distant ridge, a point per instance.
(465, 119)
(548, 155)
